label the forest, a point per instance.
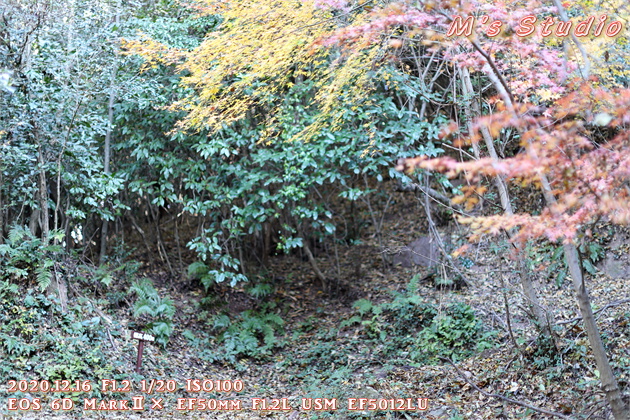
(315, 209)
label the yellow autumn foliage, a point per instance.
(609, 56)
(261, 49)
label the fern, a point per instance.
(197, 270)
(221, 321)
(363, 306)
(254, 335)
(24, 255)
(159, 310)
(260, 290)
(414, 284)
(18, 234)
(43, 275)
(18, 273)
(142, 288)
(142, 308)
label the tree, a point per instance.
(262, 52)
(588, 177)
(541, 78)
(53, 119)
(264, 130)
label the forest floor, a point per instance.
(321, 351)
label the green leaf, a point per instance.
(588, 266)
(363, 306)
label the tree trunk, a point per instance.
(266, 243)
(609, 383)
(574, 263)
(313, 262)
(606, 376)
(43, 195)
(107, 152)
(526, 283)
(107, 146)
(1, 212)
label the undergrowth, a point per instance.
(25, 258)
(154, 312)
(252, 334)
(408, 329)
(405, 331)
(42, 338)
(39, 341)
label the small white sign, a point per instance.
(140, 336)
